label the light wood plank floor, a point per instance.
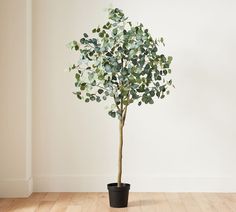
(138, 202)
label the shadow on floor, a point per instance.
(141, 202)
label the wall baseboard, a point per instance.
(11, 188)
(138, 184)
(23, 188)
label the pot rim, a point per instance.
(113, 187)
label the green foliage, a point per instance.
(121, 61)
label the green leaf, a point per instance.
(163, 88)
(107, 68)
(141, 88)
(92, 98)
(90, 76)
(77, 76)
(98, 99)
(82, 86)
(134, 61)
(114, 31)
(101, 34)
(169, 59)
(151, 101)
(162, 96)
(152, 93)
(74, 42)
(154, 50)
(82, 40)
(100, 91)
(78, 94)
(94, 83)
(112, 114)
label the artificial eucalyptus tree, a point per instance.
(121, 61)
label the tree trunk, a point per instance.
(120, 154)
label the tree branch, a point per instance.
(125, 111)
(116, 103)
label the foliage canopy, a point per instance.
(121, 61)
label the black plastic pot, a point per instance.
(118, 196)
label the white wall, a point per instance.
(183, 143)
(15, 105)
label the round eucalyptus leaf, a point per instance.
(100, 91)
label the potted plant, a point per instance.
(120, 62)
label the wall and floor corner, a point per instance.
(15, 93)
(184, 143)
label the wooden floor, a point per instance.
(138, 202)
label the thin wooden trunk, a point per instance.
(120, 154)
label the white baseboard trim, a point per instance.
(138, 184)
(13, 188)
